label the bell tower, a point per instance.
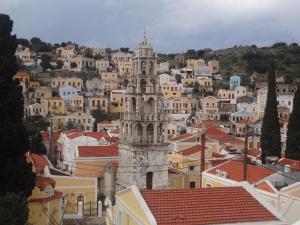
(143, 148)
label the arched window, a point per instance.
(151, 67)
(143, 67)
(150, 133)
(133, 104)
(149, 180)
(149, 106)
(143, 85)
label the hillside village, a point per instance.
(109, 128)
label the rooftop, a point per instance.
(98, 151)
(234, 169)
(205, 206)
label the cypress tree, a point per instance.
(16, 175)
(270, 134)
(293, 134)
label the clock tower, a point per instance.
(143, 149)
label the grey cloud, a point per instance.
(173, 25)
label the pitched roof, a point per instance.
(40, 161)
(205, 206)
(214, 132)
(191, 150)
(96, 135)
(98, 151)
(43, 182)
(265, 186)
(235, 168)
(295, 164)
(181, 137)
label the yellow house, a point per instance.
(45, 203)
(22, 76)
(195, 62)
(117, 101)
(96, 102)
(182, 105)
(170, 89)
(75, 189)
(56, 105)
(191, 206)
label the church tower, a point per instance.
(143, 148)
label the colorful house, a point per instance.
(45, 203)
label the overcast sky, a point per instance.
(172, 25)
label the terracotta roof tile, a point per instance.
(39, 161)
(98, 151)
(205, 206)
(181, 137)
(212, 131)
(191, 150)
(265, 187)
(43, 182)
(295, 164)
(96, 135)
(234, 169)
(217, 155)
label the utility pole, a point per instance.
(202, 161)
(246, 153)
(51, 146)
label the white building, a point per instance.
(286, 101)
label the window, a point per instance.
(192, 184)
(149, 180)
(191, 168)
(48, 191)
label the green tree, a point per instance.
(178, 78)
(70, 125)
(293, 134)
(73, 65)
(13, 209)
(45, 61)
(270, 137)
(59, 64)
(34, 126)
(16, 174)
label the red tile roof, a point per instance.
(234, 169)
(173, 171)
(214, 132)
(205, 206)
(39, 161)
(295, 164)
(43, 182)
(98, 151)
(216, 162)
(217, 155)
(265, 187)
(96, 135)
(181, 137)
(191, 150)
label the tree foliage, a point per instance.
(13, 209)
(59, 64)
(270, 136)
(45, 62)
(293, 134)
(16, 174)
(34, 126)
